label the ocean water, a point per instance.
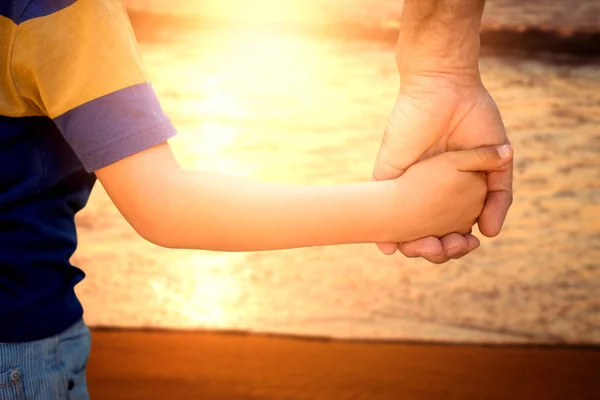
(288, 108)
(546, 14)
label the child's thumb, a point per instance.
(484, 158)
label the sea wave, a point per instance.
(537, 26)
(564, 16)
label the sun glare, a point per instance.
(260, 11)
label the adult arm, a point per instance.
(443, 105)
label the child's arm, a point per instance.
(201, 210)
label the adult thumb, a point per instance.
(407, 137)
(484, 158)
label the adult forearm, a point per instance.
(440, 36)
(216, 212)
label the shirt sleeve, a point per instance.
(80, 67)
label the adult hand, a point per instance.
(435, 114)
(443, 106)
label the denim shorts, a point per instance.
(48, 369)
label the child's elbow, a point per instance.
(156, 233)
(154, 230)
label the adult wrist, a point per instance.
(440, 36)
(456, 64)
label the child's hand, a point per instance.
(446, 193)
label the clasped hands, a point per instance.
(439, 113)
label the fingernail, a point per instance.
(505, 151)
(454, 252)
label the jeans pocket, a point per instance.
(74, 347)
(11, 385)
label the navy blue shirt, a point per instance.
(74, 98)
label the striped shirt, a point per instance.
(74, 97)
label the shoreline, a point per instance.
(265, 335)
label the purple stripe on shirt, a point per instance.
(115, 126)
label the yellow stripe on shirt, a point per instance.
(76, 55)
(11, 104)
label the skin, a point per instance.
(443, 106)
(176, 208)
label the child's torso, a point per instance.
(42, 186)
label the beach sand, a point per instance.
(138, 365)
